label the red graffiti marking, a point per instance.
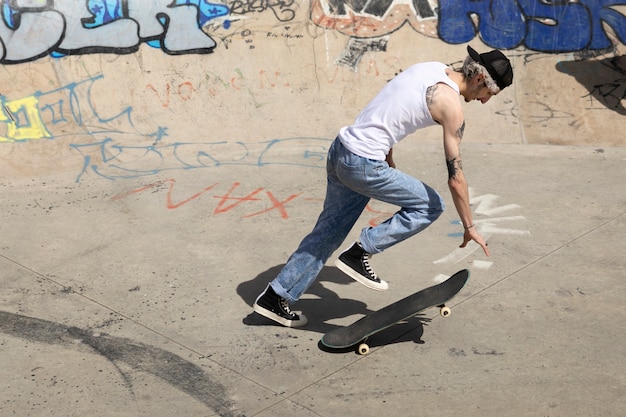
(169, 203)
(183, 91)
(363, 25)
(382, 215)
(220, 206)
(228, 202)
(273, 81)
(279, 205)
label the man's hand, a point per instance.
(472, 234)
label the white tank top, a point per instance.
(398, 110)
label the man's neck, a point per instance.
(458, 78)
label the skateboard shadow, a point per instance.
(410, 330)
(324, 306)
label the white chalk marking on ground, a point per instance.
(440, 278)
(459, 254)
(482, 264)
(487, 205)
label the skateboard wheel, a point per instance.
(364, 349)
(445, 311)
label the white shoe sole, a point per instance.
(378, 286)
(280, 320)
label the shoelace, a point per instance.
(286, 309)
(368, 268)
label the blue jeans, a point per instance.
(351, 182)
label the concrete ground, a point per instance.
(134, 298)
(149, 194)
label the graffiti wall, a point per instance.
(131, 88)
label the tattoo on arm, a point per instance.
(459, 132)
(454, 163)
(430, 92)
(454, 166)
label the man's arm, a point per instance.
(459, 188)
(446, 109)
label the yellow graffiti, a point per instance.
(23, 120)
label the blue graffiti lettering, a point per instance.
(600, 12)
(47, 114)
(112, 161)
(103, 12)
(501, 24)
(556, 27)
(562, 26)
(208, 11)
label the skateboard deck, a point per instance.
(360, 330)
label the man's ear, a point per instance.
(479, 79)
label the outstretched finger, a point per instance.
(486, 248)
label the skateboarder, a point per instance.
(360, 166)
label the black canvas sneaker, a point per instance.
(355, 263)
(274, 307)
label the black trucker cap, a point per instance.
(497, 65)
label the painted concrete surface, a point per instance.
(138, 301)
(155, 178)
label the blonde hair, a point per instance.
(472, 68)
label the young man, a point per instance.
(360, 167)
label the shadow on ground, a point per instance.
(320, 304)
(605, 80)
(139, 357)
(323, 306)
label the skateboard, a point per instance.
(359, 331)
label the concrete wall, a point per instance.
(124, 89)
